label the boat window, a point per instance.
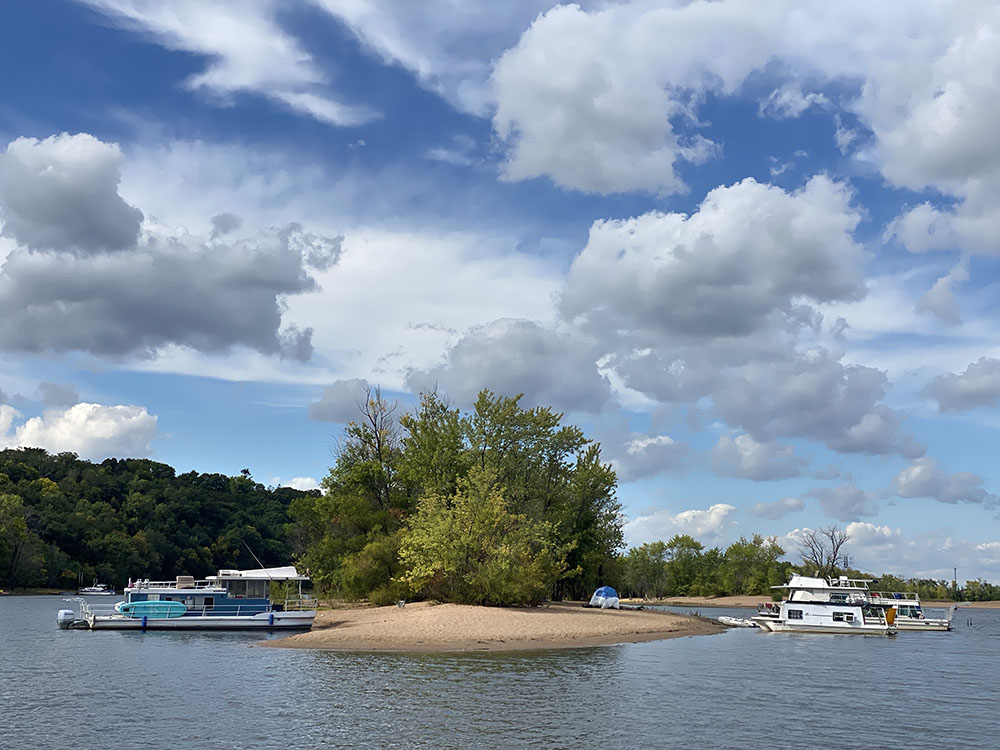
(848, 617)
(237, 589)
(838, 616)
(875, 613)
(839, 598)
(257, 589)
(795, 614)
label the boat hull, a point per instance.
(262, 621)
(774, 625)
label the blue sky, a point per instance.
(749, 249)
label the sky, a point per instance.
(749, 248)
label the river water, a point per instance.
(740, 689)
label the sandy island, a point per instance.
(425, 626)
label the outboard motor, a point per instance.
(65, 618)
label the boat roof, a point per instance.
(810, 582)
(285, 573)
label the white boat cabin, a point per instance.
(821, 605)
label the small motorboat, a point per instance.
(98, 589)
(737, 622)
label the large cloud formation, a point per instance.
(606, 100)
(92, 431)
(723, 304)
(85, 277)
(62, 194)
(924, 478)
(520, 356)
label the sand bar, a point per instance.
(425, 626)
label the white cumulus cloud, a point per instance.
(249, 52)
(745, 458)
(662, 524)
(92, 431)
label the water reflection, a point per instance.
(734, 690)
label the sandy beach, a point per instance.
(425, 626)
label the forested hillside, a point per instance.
(63, 519)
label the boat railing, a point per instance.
(185, 586)
(849, 583)
(88, 610)
(908, 596)
(238, 610)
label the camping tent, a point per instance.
(605, 598)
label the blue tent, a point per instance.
(605, 597)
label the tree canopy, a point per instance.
(501, 505)
(63, 520)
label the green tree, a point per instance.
(550, 477)
(14, 538)
(434, 455)
(551, 473)
(752, 567)
(683, 566)
(365, 499)
(645, 571)
(471, 548)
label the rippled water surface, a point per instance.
(740, 689)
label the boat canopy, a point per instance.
(286, 573)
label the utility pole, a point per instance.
(954, 583)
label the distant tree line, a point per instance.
(64, 520)
(683, 567)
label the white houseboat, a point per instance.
(821, 605)
(910, 615)
(232, 600)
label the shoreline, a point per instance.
(732, 602)
(429, 627)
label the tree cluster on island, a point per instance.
(502, 505)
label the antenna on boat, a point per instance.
(257, 559)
